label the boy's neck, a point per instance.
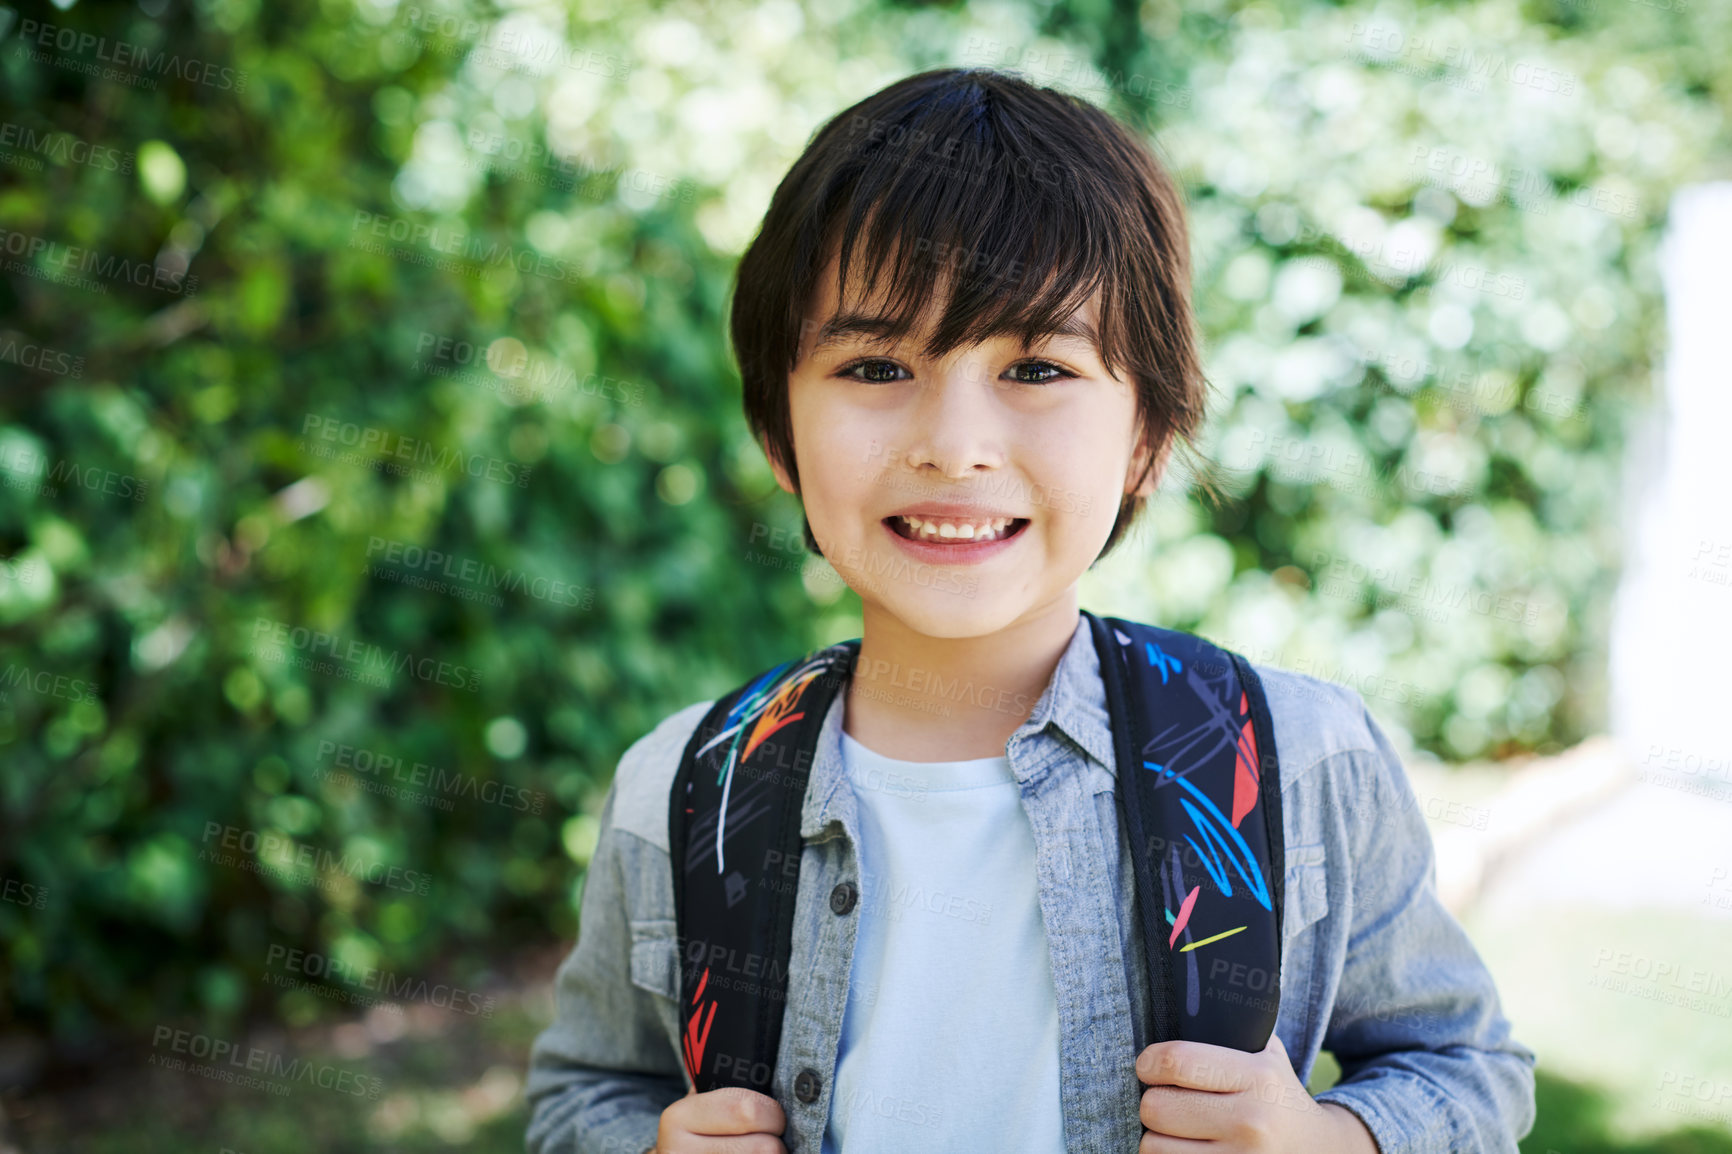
(918, 698)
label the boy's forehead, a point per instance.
(830, 319)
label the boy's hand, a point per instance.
(1244, 1103)
(732, 1120)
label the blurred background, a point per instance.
(372, 473)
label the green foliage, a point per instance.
(586, 496)
(351, 282)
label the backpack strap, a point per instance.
(1199, 788)
(734, 836)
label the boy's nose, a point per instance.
(955, 424)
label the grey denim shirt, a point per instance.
(1374, 969)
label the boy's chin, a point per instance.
(949, 614)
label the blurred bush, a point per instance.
(378, 475)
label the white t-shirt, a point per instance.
(950, 1038)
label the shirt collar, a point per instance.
(1073, 706)
(1075, 702)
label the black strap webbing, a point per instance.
(1203, 810)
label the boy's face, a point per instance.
(1042, 435)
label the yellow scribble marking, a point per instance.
(1216, 938)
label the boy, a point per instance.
(970, 425)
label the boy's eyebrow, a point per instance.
(843, 325)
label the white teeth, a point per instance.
(957, 530)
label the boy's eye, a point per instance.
(876, 371)
(1056, 373)
(881, 372)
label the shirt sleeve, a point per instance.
(1426, 1056)
(601, 1074)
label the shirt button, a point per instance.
(807, 1085)
(842, 897)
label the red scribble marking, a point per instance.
(775, 716)
(1247, 772)
(695, 1042)
(1184, 915)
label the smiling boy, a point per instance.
(967, 345)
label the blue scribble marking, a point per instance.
(1160, 659)
(1229, 843)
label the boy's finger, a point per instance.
(736, 1110)
(1193, 1065)
(1190, 1115)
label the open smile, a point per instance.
(950, 532)
(940, 541)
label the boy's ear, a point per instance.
(781, 473)
(1153, 480)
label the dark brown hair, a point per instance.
(1023, 200)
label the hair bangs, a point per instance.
(990, 238)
